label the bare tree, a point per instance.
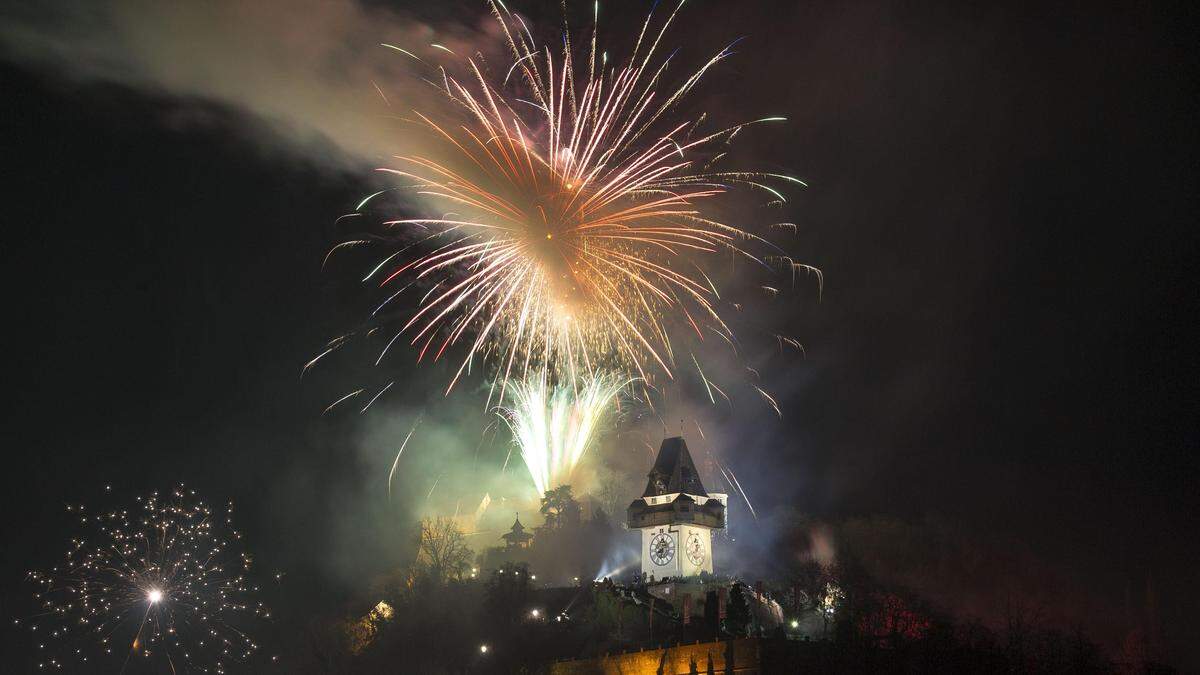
(442, 553)
(614, 494)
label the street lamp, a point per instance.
(483, 649)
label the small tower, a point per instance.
(676, 516)
(517, 537)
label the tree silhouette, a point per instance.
(507, 593)
(560, 509)
(738, 614)
(442, 552)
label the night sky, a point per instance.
(1003, 202)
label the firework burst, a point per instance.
(554, 425)
(162, 583)
(570, 209)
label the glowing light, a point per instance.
(119, 573)
(483, 649)
(554, 425)
(833, 599)
(383, 611)
(795, 624)
(569, 212)
(534, 613)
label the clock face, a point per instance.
(662, 549)
(695, 549)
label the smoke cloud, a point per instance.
(314, 77)
(314, 73)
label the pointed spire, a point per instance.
(674, 471)
(517, 536)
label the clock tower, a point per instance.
(676, 516)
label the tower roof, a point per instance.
(518, 532)
(674, 471)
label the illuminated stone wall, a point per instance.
(742, 656)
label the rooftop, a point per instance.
(674, 471)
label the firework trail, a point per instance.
(554, 425)
(375, 398)
(340, 400)
(571, 210)
(162, 583)
(732, 480)
(396, 462)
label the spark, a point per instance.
(791, 342)
(768, 399)
(350, 395)
(311, 363)
(731, 479)
(554, 425)
(402, 51)
(368, 198)
(375, 397)
(381, 95)
(396, 462)
(164, 577)
(744, 495)
(702, 377)
(331, 346)
(721, 392)
(583, 212)
(795, 267)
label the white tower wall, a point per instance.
(689, 552)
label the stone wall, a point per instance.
(742, 656)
